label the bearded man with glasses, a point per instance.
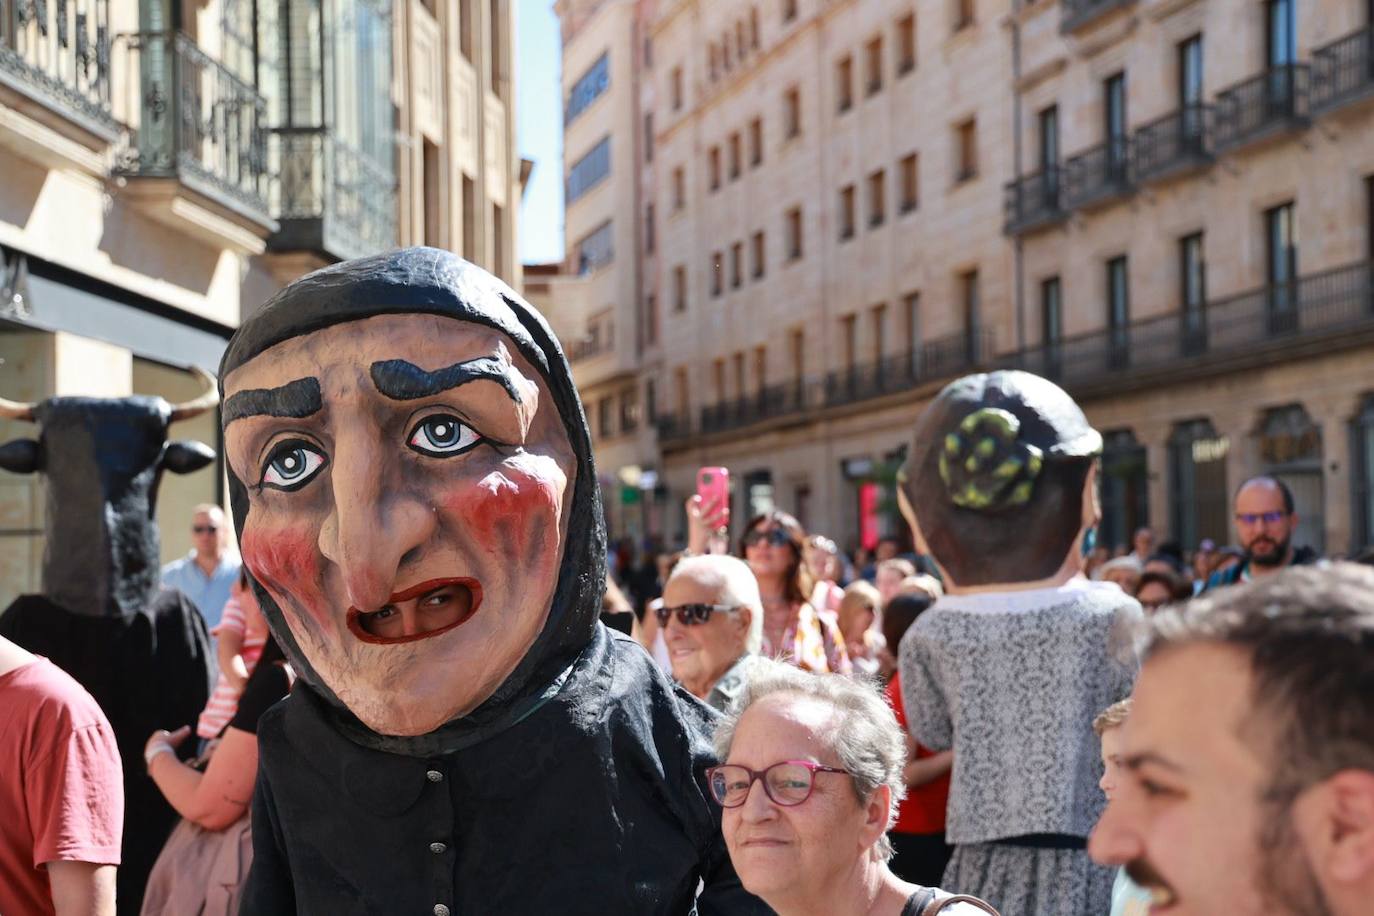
(712, 622)
(1266, 519)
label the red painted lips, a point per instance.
(467, 588)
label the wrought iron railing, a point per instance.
(939, 359)
(1034, 200)
(192, 119)
(590, 346)
(1327, 304)
(943, 358)
(772, 401)
(1173, 143)
(1314, 310)
(1098, 173)
(1343, 70)
(345, 198)
(58, 52)
(672, 426)
(1078, 13)
(1273, 101)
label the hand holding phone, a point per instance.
(708, 512)
(713, 486)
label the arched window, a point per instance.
(1290, 446)
(1197, 484)
(1124, 488)
(1362, 473)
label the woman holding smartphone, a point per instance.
(794, 630)
(773, 545)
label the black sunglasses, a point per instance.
(775, 536)
(205, 529)
(689, 615)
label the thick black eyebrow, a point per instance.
(403, 381)
(297, 399)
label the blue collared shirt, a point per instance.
(207, 593)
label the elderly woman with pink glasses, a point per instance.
(810, 784)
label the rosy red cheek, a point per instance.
(287, 563)
(512, 511)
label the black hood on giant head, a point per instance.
(435, 282)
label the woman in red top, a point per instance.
(918, 837)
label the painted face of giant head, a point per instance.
(408, 482)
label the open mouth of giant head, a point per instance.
(422, 611)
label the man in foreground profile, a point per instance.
(1248, 760)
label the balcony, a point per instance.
(943, 358)
(58, 55)
(672, 426)
(1099, 175)
(590, 347)
(807, 398)
(1343, 72)
(331, 199)
(196, 155)
(1311, 315)
(1261, 108)
(1079, 13)
(1173, 145)
(1033, 202)
(772, 401)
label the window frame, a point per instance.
(876, 188)
(791, 112)
(909, 174)
(905, 27)
(587, 88)
(848, 216)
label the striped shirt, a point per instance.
(224, 701)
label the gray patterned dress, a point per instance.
(1011, 681)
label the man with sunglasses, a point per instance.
(712, 622)
(1265, 519)
(209, 571)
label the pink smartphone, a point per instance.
(713, 485)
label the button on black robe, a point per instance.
(595, 803)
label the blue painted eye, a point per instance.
(442, 436)
(291, 466)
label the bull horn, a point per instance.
(15, 410)
(197, 406)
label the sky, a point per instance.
(539, 130)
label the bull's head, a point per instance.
(104, 458)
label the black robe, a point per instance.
(578, 786)
(595, 803)
(149, 671)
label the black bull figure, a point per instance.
(142, 653)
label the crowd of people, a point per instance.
(763, 630)
(769, 628)
(1003, 720)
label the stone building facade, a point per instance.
(607, 279)
(1196, 265)
(170, 166)
(1164, 205)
